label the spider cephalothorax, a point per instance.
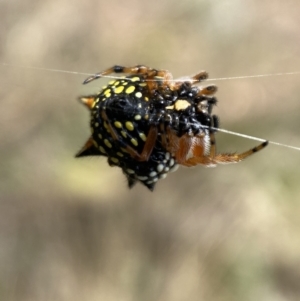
(146, 123)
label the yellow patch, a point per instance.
(107, 143)
(130, 89)
(102, 150)
(119, 89)
(143, 136)
(124, 134)
(111, 82)
(118, 124)
(120, 154)
(129, 125)
(181, 104)
(135, 79)
(115, 160)
(137, 117)
(107, 93)
(134, 142)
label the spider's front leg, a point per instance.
(139, 69)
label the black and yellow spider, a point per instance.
(147, 124)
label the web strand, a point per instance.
(172, 80)
(253, 138)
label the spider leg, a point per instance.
(148, 146)
(164, 136)
(234, 158)
(139, 69)
(179, 146)
(199, 77)
(207, 91)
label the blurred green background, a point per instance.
(71, 230)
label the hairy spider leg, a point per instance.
(197, 78)
(139, 69)
(234, 158)
(207, 91)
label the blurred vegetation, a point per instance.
(71, 230)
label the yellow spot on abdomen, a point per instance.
(124, 134)
(107, 143)
(119, 89)
(129, 125)
(115, 160)
(102, 150)
(130, 89)
(134, 142)
(107, 93)
(143, 136)
(118, 124)
(135, 79)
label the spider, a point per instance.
(148, 124)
